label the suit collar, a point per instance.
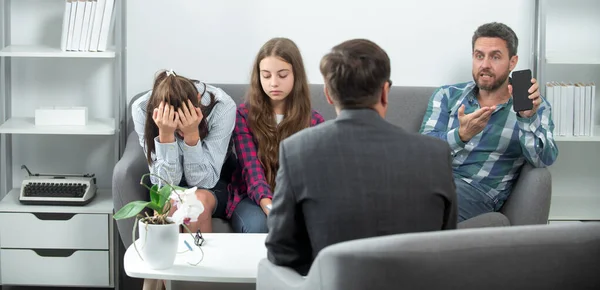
(362, 114)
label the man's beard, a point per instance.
(493, 86)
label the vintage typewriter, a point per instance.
(57, 189)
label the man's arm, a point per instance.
(435, 121)
(536, 136)
(287, 242)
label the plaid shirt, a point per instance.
(249, 176)
(492, 159)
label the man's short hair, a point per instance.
(500, 30)
(355, 72)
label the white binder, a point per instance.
(86, 44)
(576, 109)
(550, 101)
(85, 27)
(71, 31)
(97, 25)
(78, 27)
(593, 110)
(107, 20)
(65, 27)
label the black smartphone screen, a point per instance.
(521, 82)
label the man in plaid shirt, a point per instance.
(489, 141)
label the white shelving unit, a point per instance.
(23, 125)
(579, 138)
(49, 51)
(35, 72)
(569, 51)
(573, 58)
(575, 208)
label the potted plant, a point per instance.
(159, 233)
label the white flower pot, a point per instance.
(158, 244)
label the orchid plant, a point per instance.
(188, 207)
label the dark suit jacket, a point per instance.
(355, 177)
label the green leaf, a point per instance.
(155, 207)
(155, 199)
(165, 193)
(131, 209)
(154, 195)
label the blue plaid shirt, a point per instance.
(491, 160)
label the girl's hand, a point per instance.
(167, 121)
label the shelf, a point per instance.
(575, 207)
(579, 138)
(47, 51)
(102, 203)
(572, 58)
(27, 126)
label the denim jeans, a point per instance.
(472, 201)
(248, 217)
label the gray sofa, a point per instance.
(564, 256)
(528, 204)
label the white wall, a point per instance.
(429, 41)
(216, 41)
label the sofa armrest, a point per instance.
(486, 220)
(273, 277)
(529, 201)
(126, 185)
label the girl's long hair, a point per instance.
(267, 133)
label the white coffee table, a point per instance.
(228, 258)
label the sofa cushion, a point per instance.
(407, 105)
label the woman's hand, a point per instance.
(189, 119)
(265, 204)
(167, 121)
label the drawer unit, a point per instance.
(55, 267)
(58, 245)
(54, 231)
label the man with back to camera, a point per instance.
(489, 141)
(357, 176)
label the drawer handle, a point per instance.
(54, 252)
(54, 216)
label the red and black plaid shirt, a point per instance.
(249, 176)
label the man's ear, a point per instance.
(327, 96)
(513, 62)
(385, 93)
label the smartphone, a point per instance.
(521, 82)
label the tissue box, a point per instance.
(61, 116)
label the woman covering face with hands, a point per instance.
(185, 128)
(183, 121)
